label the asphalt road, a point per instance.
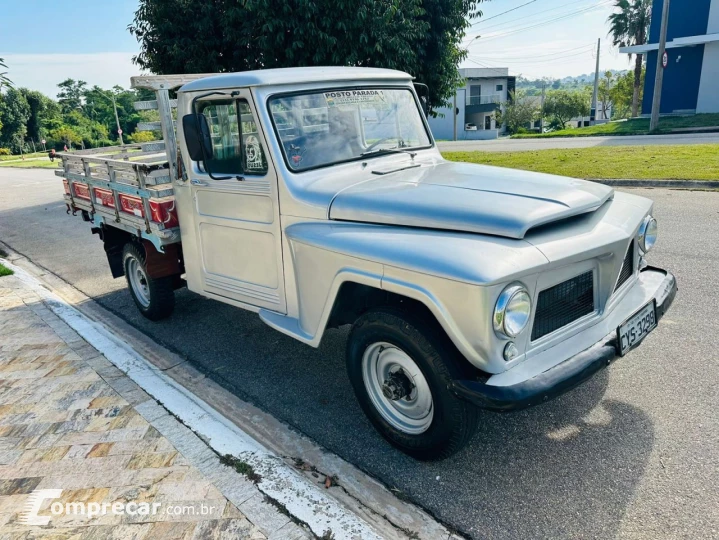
(633, 453)
(522, 145)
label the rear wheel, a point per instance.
(155, 298)
(400, 367)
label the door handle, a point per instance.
(196, 182)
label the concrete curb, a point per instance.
(668, 184)
(355, 491)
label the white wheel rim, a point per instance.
(138, 281)
(388, 370)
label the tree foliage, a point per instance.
(4, 80)
(629, 26)
(518, 112)
(421, 37)
(622, 93)
(563, 105)
(81, 117)
(14, 115)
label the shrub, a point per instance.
(5, 152)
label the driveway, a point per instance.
(631, 453)
(522, 145)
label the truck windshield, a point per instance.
(327, 127)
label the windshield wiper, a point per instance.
(389, 151)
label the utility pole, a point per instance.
(541, 110)
(659, 78)
(117, 119)
(595, 98)
(454, 115)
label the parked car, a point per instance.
(317, 197)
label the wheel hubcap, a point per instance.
(397, 388)
(138, 281)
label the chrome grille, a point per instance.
(563, 304)
(627, 267)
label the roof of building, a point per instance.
(281, 76)
(688, 41)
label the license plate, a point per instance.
(636, 328)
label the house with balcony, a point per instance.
(471, 113)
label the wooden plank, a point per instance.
(165, 82)
(151, 105)
(158, 146)
(129, 222)
(156, 192)
(149, 126)
(168, 131)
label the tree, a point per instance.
(3, 75)
(70, 94)
(519, 111)
(563, 105)
(422, 37)
(628, 27)
(604, 94)
(14, 114)
(143, 136)
(622, 94)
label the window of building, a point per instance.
(500, 87)
(236, 146)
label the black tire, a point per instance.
(454, 421)
(158, 299)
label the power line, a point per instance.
(532, 61)
(503, 13)
(588, 48)
(546, 22)
(511, 21)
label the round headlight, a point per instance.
(647, 236)
(511, 313)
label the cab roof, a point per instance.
(281, 76)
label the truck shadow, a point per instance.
(565, 469)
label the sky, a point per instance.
(46, 42)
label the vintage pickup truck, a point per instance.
(317, 198)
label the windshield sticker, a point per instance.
(253, 153)
(354, 97)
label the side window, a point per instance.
(236, 146)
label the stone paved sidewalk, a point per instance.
(71, 421)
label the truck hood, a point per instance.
(465, 197)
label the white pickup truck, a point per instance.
(317, 197)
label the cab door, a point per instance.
(235, 207)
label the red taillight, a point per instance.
(104, 197)
(82, 191)
(66, 185)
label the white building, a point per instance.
(477, 101)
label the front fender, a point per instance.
(452, 274)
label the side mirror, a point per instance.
(423, 95)
(197, 136)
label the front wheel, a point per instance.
(400, 367)
(155, 298)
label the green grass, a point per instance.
(4, 271)
(36, 154)
(33, 164)
(636, 126)
(671, 162)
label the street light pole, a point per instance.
(659, 78)
(595, 98)
(117, 119)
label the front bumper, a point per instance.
(562, 377)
